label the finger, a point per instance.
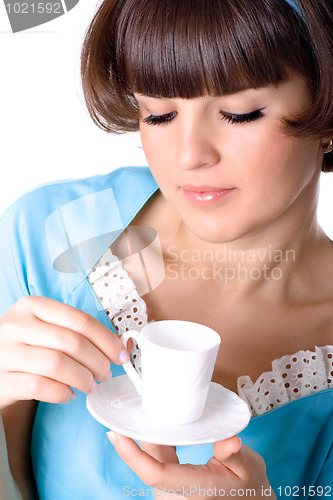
(47, 363)
(157, 474)
(40, 334)
(223, 450)
(57, 313)
(237, 458)
(161, 453)
(25, 386)
(144, 465)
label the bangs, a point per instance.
(191, 48)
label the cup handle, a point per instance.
(128, 367)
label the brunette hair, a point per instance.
(189, 48)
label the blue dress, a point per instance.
(50, 239)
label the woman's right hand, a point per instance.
(47, 347)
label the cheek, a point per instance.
(153, 146)
(283, 162)
(157, 151)
(285, 174)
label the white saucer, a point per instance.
(117, 405)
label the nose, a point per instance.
(197, 145)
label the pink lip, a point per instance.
(205, 195)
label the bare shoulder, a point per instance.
(18, 420)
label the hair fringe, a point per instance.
(144, 45)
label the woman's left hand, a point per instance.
(234, 470)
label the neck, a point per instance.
(271, 256)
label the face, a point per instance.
(224, 163)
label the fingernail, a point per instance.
(93, 387)
(124, 356)
(108, 376)
(112, 437)
(71, 397)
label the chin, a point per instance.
(214, 233)
(216, 226)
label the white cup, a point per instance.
(178, 359)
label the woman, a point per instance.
(234, 104)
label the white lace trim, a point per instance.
(119, 298)
(292, 377)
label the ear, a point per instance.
(327, 145)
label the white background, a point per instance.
(45, 132)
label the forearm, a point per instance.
(8, 486)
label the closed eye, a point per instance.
(229, 117)
(242, 118)
(159, 119)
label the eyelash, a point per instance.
(228, 117)
(159, 119)
(243, 118)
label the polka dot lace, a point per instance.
(119, 298)
(292, 377)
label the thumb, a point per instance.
(229, 453)
(224, 450)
